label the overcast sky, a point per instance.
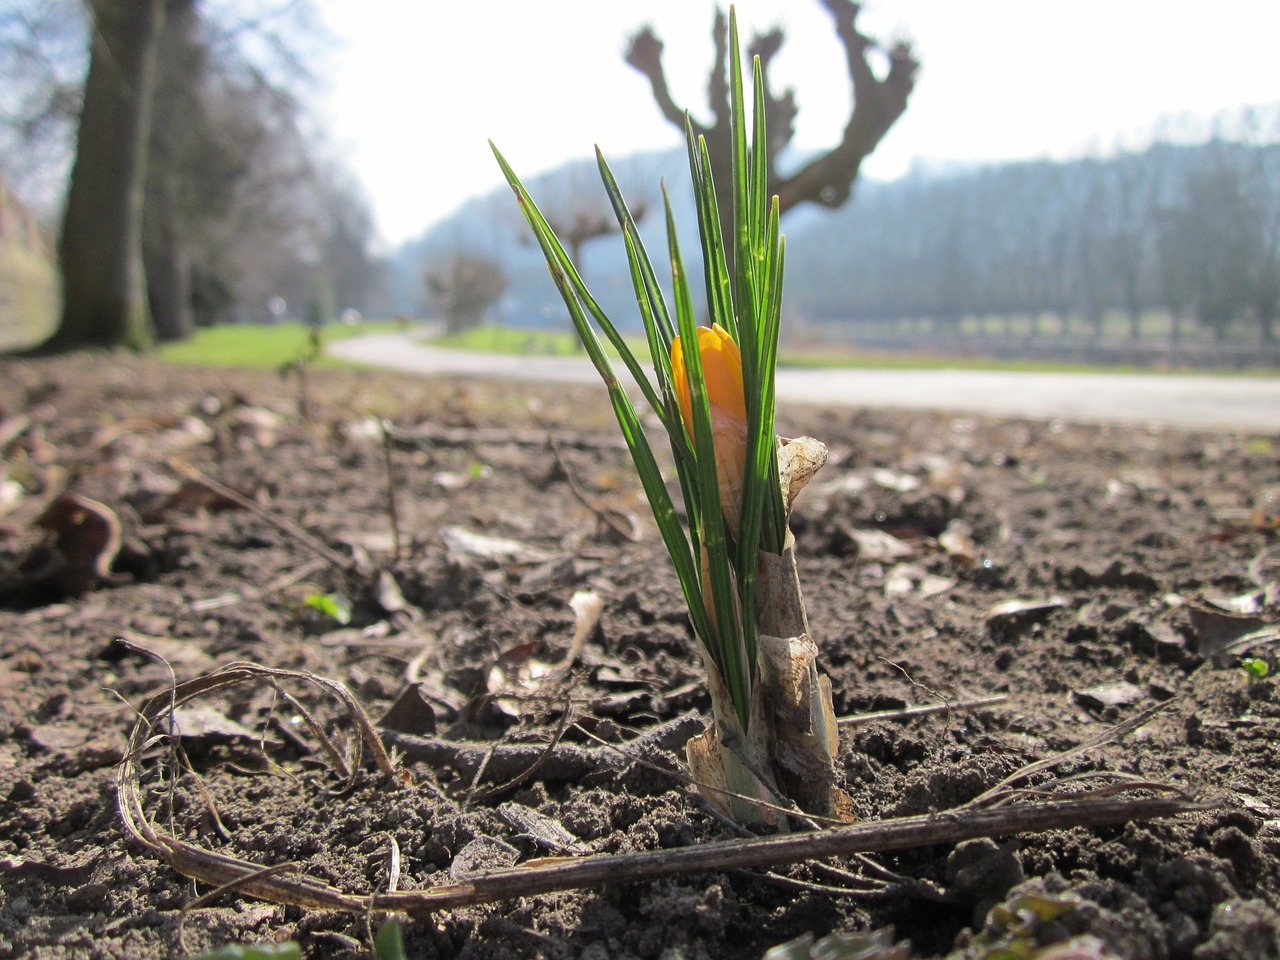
(416, 89)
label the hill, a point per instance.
(1093, 247)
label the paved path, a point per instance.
(1234, 403)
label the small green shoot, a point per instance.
(1255, 668)
(289, 950)
(333, 605)
(389, 942)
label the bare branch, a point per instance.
(877, 104)
(827, 179)
(645, 54)
(780, 111)
(718, 78)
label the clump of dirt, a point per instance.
(421, 542)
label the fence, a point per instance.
(30, 294)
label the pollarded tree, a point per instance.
(826, 179)
(464, 285)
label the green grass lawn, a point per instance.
(841, 358)
(527, 342)
(270, 346)
(273, 346)
(563, 343)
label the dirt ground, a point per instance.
(1143, 563)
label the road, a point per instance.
(1249, 404)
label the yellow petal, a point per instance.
(722, 372)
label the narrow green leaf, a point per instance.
(333, 605)
(554, 251)
(682, 448)
(715, 269)
(575, 296)
(652, 292)
(759, 182)
(388, 944)
(726, 646)
(743, 245)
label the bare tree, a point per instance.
(177, 123)
(579, 210)
(464, 285)
(828, 178)
(43, 57)
(239, 202)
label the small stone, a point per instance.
(89, 897)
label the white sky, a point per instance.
(418, 87)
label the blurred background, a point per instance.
(1091, 182)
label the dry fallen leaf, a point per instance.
(957, 541)
(1219, 633)
(1008, 614)
(461, 541)
(80, 540)
(879, 545)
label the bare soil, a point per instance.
(1140, 558)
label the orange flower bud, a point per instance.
(722, 372)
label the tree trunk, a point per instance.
(104, 298)
(1093, 313)
(168, 267)
(177, 117)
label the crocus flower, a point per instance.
(722, 372)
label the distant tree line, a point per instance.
(466, 281)
(1174, 244)
(1191, 233)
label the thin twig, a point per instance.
(1106, 736)
(498, 789)
(393, 511)
(948, 827)
(340, 765)
(910, 713)
(178, 465)
(604, 515)
(812, 886)
(475, 780)
(393, 864)
(568, 762)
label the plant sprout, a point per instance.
(1255, 667)
(715, 403)
(333, 605)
